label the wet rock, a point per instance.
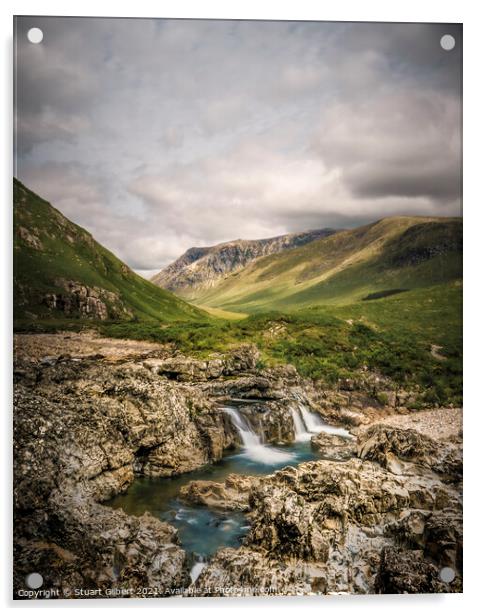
(352, 526)
(93, 547)
(231, 495)
(81, 432)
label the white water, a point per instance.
(254, 448)
(301, 433)
(313, 424)
(196, 570)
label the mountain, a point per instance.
(369, 262)
(60, 272)
(200, 269)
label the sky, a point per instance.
(160, 135)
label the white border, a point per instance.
(346, 10)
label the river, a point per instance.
(202, 531)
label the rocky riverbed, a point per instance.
(381, 512)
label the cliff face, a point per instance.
(202, 268)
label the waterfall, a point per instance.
(197, 568)
(301, 433)
(248, 436)
(311, 420)
(254, 448)
(314, 424)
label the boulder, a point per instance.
(231, 495)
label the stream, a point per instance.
(202, 531)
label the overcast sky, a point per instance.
(159, 135)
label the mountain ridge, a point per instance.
(201, 268)
(393, 252)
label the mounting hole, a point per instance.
(447, 42)
(35, 35)
(34, 580)
(447, 575)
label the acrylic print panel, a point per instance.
(238, 279)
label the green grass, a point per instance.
(69, 252)
(307, 305)
(392, 335)
(401, 253)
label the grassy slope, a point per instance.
(401, 252)
(70, 252)
(392, 335)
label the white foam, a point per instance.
(315, 424)
(254, 449)
(301, 433)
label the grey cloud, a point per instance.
(161, 134)
(400, 144)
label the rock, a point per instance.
(94, 547)
(333, 446)
(405, 571)
(246, 572)
(273, 419)
(88, 302)
(231, 495)
(30, 238)
(392, 447)
(349, 527)
(82, 430)
(187, 369)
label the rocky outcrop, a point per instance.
(334, 446)
(403, 572)
(80, 544)
(83, 429)
(393, 448)
(80, 300)
(30, 238)
(231, 495)
(202, 268)
(181, 368)
(359, 526)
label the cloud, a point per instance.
(402, 144)
(158, 135)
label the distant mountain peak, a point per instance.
(202, 268)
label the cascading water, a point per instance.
(197, 568)
(254, 448)
(314, 424)
(203, 530)
(301, 433)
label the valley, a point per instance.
(345, 267)
(301, 434)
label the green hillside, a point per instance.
(388, 256)
(61, 272)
